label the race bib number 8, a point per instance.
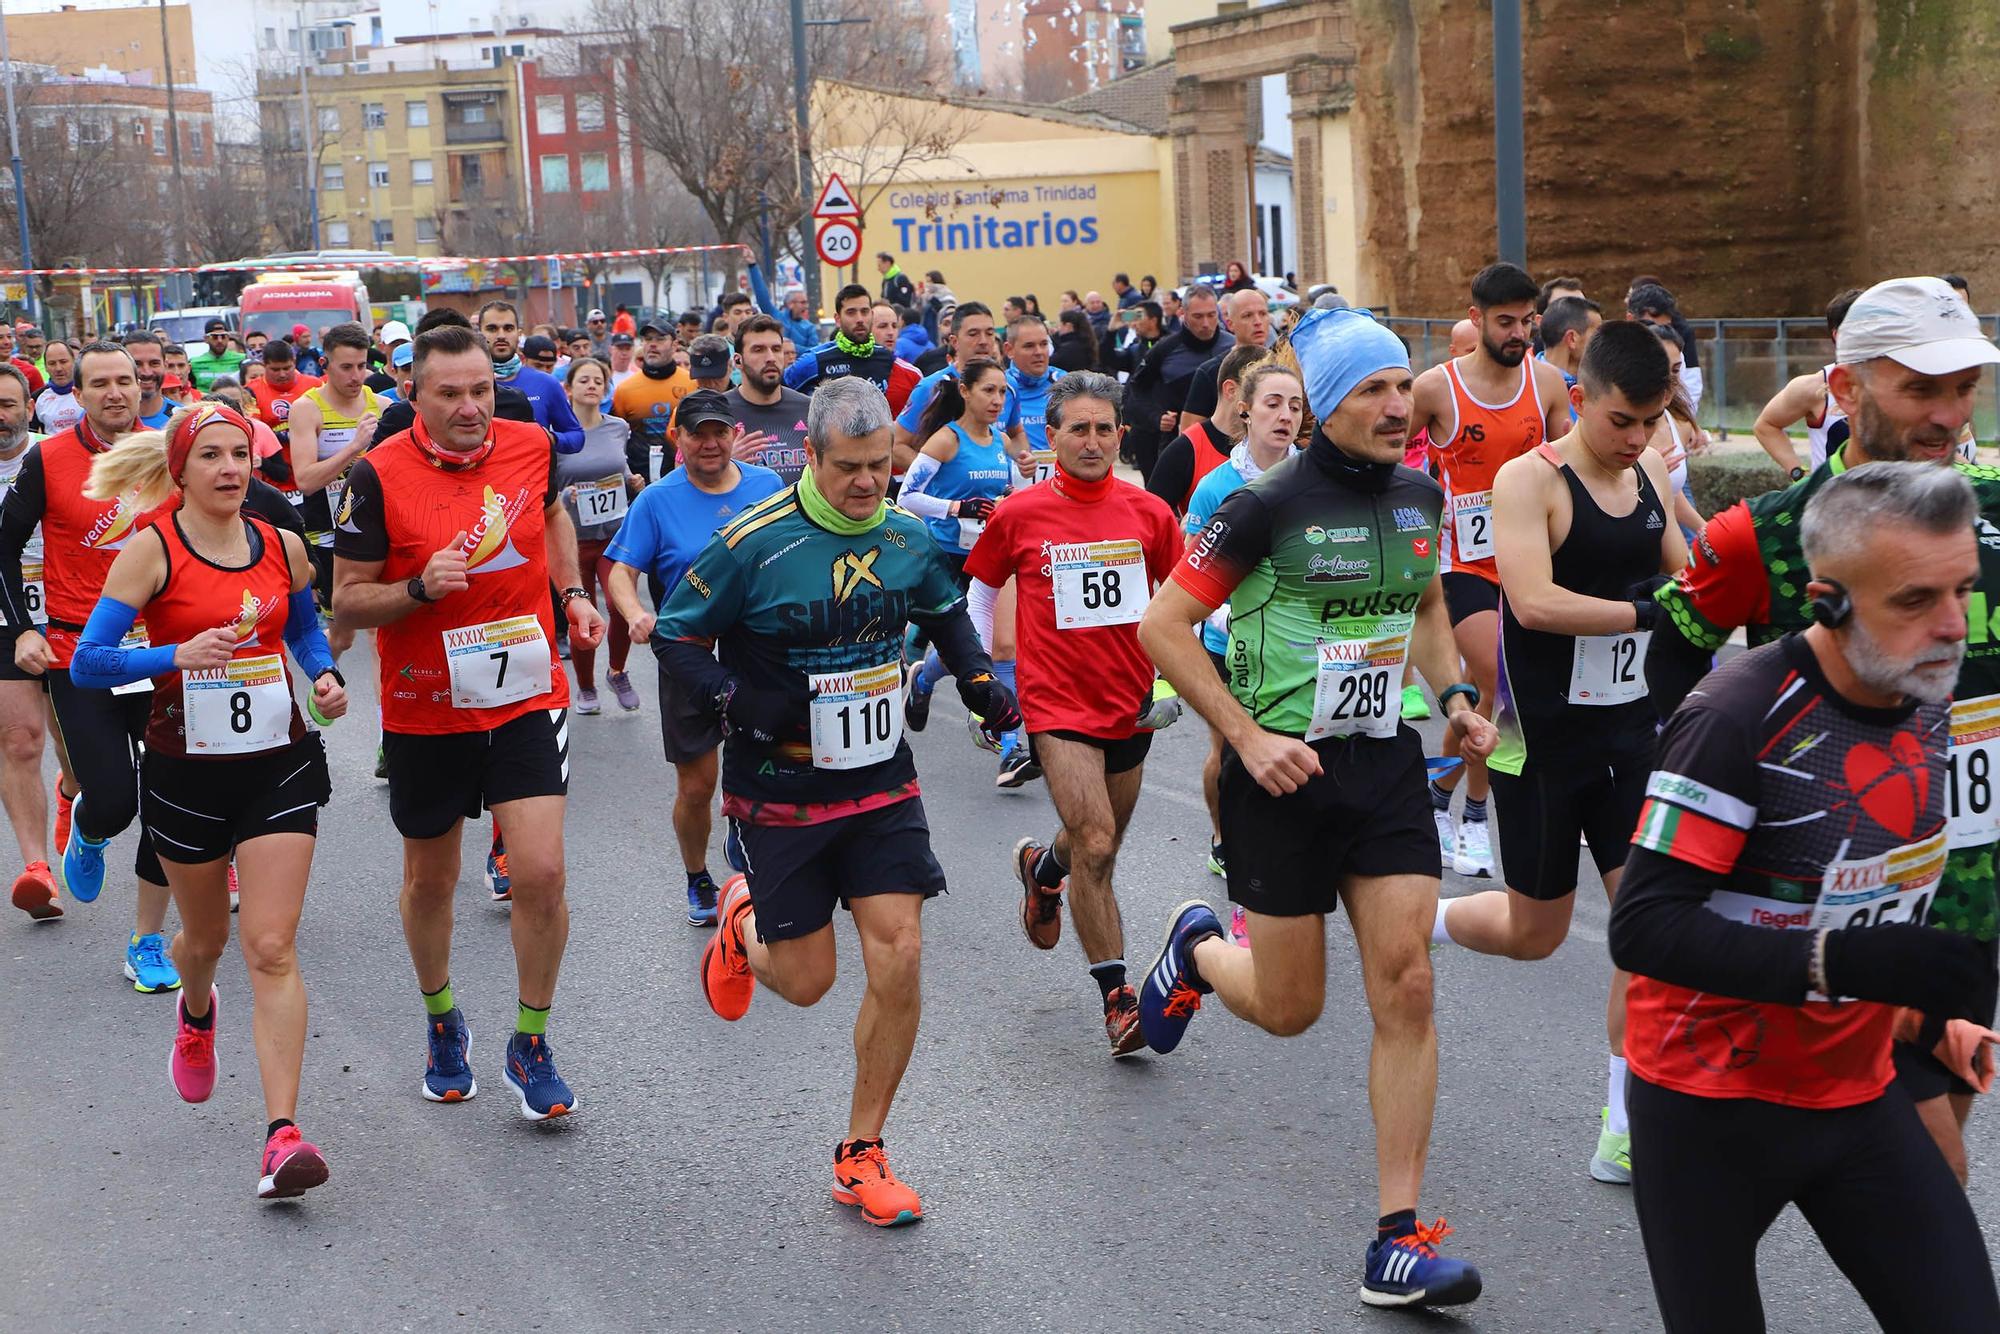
(602, 501)
(237, 709)
(857, 717)
(1472, 525)
(1099, 583)
(1357, 689)
(1972, 816)
(499, 662)
(1609, 669)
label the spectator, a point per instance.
(622, 321)
(1034, 306)
(897, 289)
(801, 329)
(1013, 308)
(1148, 285)
(1170, 310)
(939, 303)
(1235, 277)
(1099, 313)
(913, 342)
(1070, 300)
(1140, 327)
(1128, 295)
(308, 359)
(1076, 343)
(1160, 386)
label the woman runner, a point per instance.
(597, 486)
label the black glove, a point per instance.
(1644, 608)
(1900, 963)
(976, 508)
(990, 701)
(765, 716)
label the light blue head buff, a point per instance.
(1338, 349)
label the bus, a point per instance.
(326, 289)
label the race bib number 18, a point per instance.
(1972, 816)
(1098, 583)
(499, 662)
(1472, 525)
(857, 717)
(1357, 688)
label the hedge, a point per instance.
(1720, 478)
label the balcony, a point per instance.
(474, 132)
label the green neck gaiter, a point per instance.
(852, 348)
(822, 512)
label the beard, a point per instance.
(14, 439)
(1888, 442)
(1929, 675)
(1509, 354)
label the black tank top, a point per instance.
(1552, 696)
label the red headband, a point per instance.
(181, 443)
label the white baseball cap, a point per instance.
(394, 332)
(1918, 322)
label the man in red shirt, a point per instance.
(447, 541)
(1085, 550)
(282, 383)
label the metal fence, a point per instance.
(1743, 363)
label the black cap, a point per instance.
(708, 360)
(215, 326)
(653, 327)
(621, 340)
(703, 405)
(694, 317)
(538, 345)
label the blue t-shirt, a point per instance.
(551, 404)
(913, 411)
(1034, 400)
(158, 420)
(671, 520)
(1202, 505)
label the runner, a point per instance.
(1031, 378)
(815, 769)
(598, 483)
(1202, 448)
(670, 523)
(1793, 838)
(1479, 411)
(332, 425)
(1581, 538)
(854, 351)
(281, 386)
(1805, 399)
(22, 727)
(56, 407)
(1678, 435)
(972, 339)
(231, 776)
(500, 324)
(770, 418)
(149, 353)
(1566, 329)
(1909, 371)
(446, 544)
(1322, 790)
(216, 358)
(97, 732)
(646, 400)
(1247, 316)
(1087, 550)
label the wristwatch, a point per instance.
(1798, 473)
(570, 593)
(416, 589)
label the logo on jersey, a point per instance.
(281, 408)
(1409, 519)
(1653, 521)
(1336, 570)
(1420, 547)
(1338, 536)
(492, 550)
(1989, 536)
(851, 571)
(248, 617)
(113, 526)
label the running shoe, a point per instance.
(586, 703)
(1613, 1160)
(146, 964)
(35, 892)
(83, 867)
(1168, 998)
(531, 1072)
(562, 647)
(192, 1065)
(65, 813)
(726, 979)
(1408, 1271)
(1041, 908)
(977, 730)
(1017, 766)
(235, 894)
(861, 1177)
(621, 686)
(1447, 835)
(447, 1071)
(732, 847)
(702, 895)
(1121, 1021)
(498, 882)
(1415, 707)
(292, 1166)
(381, 761)
(1475, 852)
(1216, 863)
(1239, 929)
(916, 699)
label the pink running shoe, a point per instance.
(1239, 930)
(292, 1166)
(193, 1063)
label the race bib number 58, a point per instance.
(1098, 583)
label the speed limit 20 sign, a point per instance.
(839, 242)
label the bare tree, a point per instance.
(225, 218)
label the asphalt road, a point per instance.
(1227, 1186)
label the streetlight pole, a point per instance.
(1510, 183)
(809, 262)
(20, 184)
(311, 157)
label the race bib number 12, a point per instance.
(1609, 669)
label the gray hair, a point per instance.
(1082, 384)
(847, 408)
(1849, 509)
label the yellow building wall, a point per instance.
(1340, 216)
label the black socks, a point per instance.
(1109, 976)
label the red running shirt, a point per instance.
(80, 537)
(1088, 678)
(1484, 436)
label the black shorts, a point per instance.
(198, 810)
(1119, 756)
(1467, 594)
(1368, 813)
(687, 731)
(322, 568)
(1922, 1075)
(8, 671)
(1555, 801)
(798, 872)
(436, 781)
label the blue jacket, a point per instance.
(804, 334)
(545, 394)
(913, 342)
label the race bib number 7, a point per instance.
(498, 662)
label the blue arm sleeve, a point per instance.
(760, 290)
(99, 663)
(563, 424)
(305, 638)
(801, 374)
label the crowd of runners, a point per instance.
(1321, 548)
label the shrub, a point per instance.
(1720, 478)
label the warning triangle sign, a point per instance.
(835, 201)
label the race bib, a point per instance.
(601, 501)
(1897, 886)
(1357, 689)
(1472, 525)
(135, 638)
(1972, 817)
(857, 717)
(33, 592)
(969, 531)
(657, 457)
(236, 709)
(1044, 461)
(1098, 583)
(499, 662)
(1609, 669)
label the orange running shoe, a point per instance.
(861, 1177)
(1041, 908)
(1121, 1021)
(725, 969)
(63, 805)
(35, 893)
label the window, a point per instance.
(160, 137)
(555, 174)
(334, 234)
(194, 139)
(549, 115)
(427, 230)
(91, 129)
(589, 112)
(594, 172)
(416, 113)
(378, 174)
(333, 176)
(385, 234)
(471, 174)
(139, 130)
(373, 116)
(472, 113)
(329, 120)
(420, 171)
(270, 39)
(518, 49)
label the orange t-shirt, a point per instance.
(1486, 436)
(647, 405)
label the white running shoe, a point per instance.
(1447, 835)
(1475, 853)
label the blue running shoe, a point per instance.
(447, 1074)
(146, 958)
(1169, 999)
(701, 901)
(1408, 1271)
(531, 1073)
(83, 864)
(732, 847)
(498, 882)
(916, 698)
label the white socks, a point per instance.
(1614, 1096)
(1440, 936)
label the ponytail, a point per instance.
(134, 468)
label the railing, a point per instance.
(1744, 362)
(474, 132)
